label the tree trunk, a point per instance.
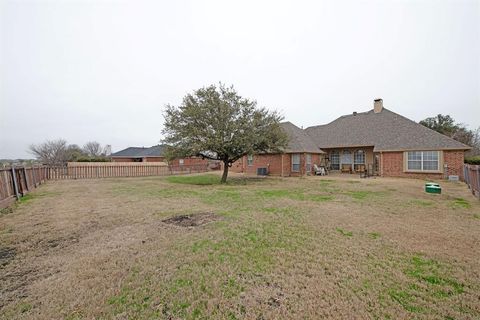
(225, 172)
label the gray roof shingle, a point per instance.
(141, 152)
(299, 141)
(385, 131)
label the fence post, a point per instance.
(34, 176)
(26, 179)
(478, 181)
(15, 185)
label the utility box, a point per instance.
(431, 187)
(262, 171)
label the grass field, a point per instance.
(292, 248)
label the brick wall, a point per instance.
(454, 161)
(274, 164)
(154, 159)
(392, 165)
(123, 159)
(271, 161)
(189, 161)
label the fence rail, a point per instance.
(15, 182)
(472, 178)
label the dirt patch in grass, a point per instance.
(6, 255)
(192, 220)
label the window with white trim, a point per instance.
(359, 159)
(335, 160)
(423, 160)
(308, 162)
(295, 162)
(250, 160)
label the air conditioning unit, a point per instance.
(262, 171)
(453, 178)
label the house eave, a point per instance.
(421, 149)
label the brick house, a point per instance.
(297, 159)
(379, 141)
(389, 144)
(153, 154)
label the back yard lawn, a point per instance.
(311, 248)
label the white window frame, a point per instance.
(336, 154)
(363, 156)
(308, 162)
(346, 157)
(250, 160)
(422, 161)
(294, 155)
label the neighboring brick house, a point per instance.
(153, 154)
(390, 144)
(297, 160)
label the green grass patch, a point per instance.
(7, 210)
(461, 203)
(321, 198)
(344, 233)
(282, 193)
(294, 194)
(374, 235)
(426, 281)
(364, 194)
(26, 198)
(206, 179)
(224, 197)
(280, 211)
(432, 272)
(476, 216)
(422, 203)
(155, 191)
(405, 299)
(326, 181)
(34, 195)
(244, 248)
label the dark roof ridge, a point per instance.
(342, 117)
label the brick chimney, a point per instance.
(377, 105)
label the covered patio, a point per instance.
(352, 160)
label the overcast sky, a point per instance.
(104, 70)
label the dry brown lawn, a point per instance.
(292, 248)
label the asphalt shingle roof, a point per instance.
(141, 152)
(385, 131)
(299, 141)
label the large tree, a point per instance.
(51, 152)
(446, 125)
(74, 153)
(216, 123)
(94, 149)
(443, 124)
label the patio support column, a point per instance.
(304, 164)
(282, 166)
(381, 164)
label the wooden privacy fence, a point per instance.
(15, 182)
(85, 170)
(472, 178)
